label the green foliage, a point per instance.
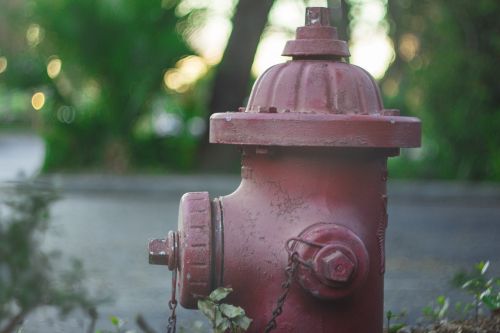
(446, 72)
(223, 316)
(438, 309)
(483, 289)
(118, 325)
(27, 273)
(114, 54)
(395, 327)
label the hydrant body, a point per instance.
(315, 140)
(284, 193)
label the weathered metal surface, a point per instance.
(195, 248)
(164, 251)
(315, 140)
(285, 193)
(314, 130)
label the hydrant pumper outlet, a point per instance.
(315, 139)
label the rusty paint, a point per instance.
(195, 248)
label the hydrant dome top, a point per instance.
(315, 100)
(316, 80)
(327, 87)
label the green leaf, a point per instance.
(243, 322)
(396, 327)
(220, 293)
(231, 311)
(208, 308)
(444, 308)
(388, 315)
(485, 267)
(427, 311)
(219, 318)
(491, 301)
(117, 322)
(482, 267)
(223, 326)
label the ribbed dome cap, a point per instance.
(316, 80)
(316, 86)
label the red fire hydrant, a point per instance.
(315, 139)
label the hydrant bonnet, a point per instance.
(315, 99)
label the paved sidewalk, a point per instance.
(435, 230)
(21, 154)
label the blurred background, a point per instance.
(109, 101)
(126, 86)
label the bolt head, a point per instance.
(317, 16)
(157, 249)
(164, 251)
(337, 267)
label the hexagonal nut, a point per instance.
(337, 267)
(164, 251)
(158, 252)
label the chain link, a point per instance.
(172, 305)
(290, 270)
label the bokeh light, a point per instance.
(3, 64)
(210, 37)
(66, 114)
(408, 46)
(186, 72)
(269, 52)
(371, 48)
(374, 53)
(166, 124)
(38, 100)
(34, 35)
(196, 126)
(54, 67)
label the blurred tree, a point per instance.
(100, 65)
(233, 80)
(233, 73)
(446, 72)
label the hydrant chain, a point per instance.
(172, 303)
(290, 270)
(291, 252)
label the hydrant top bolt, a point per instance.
(317, 16)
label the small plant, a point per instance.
(491, 300)
(223, 316)
(28, 278)
(484, 290)
(438, 309)
(118, 325)
(394, 327)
